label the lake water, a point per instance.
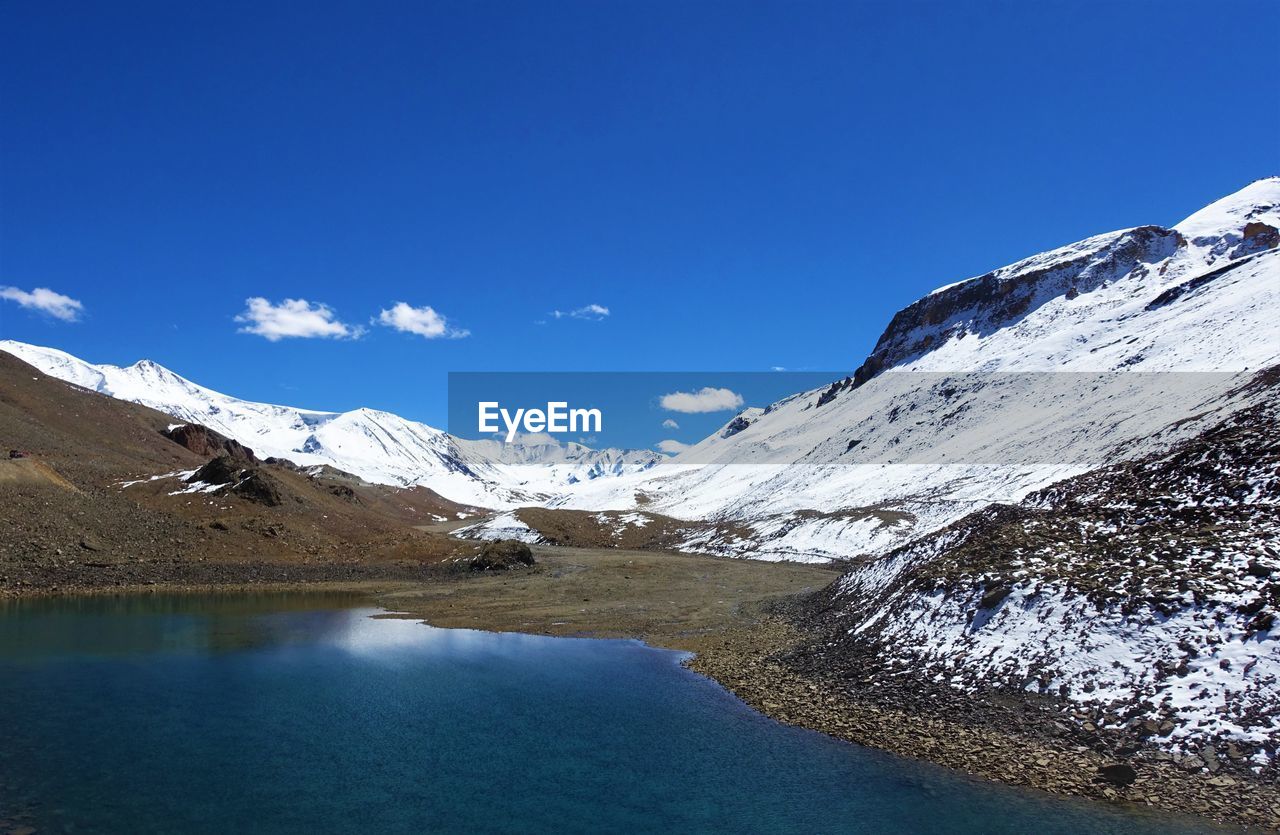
(302, 713)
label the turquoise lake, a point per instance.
(303, 713)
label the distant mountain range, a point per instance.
(1201, 296)
(379, 447)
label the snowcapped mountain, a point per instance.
(953, 410)
(380, 447)
(1057, 481)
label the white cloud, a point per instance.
(704, 400)
(594, 312)
(670, 424)
(672, 447)
(294, 318)
(424, 321)
(46, 301)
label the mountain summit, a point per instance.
(929, 426)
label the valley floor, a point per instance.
(734, 615)
(667, 599)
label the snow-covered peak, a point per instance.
(376, 445)
(1001, 318)
(1121, 300)
(1258, 202)
(863, 464)
(57, 363)
(1071, 253)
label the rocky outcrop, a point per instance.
(983, 304)
(735, 426)
(247, 480)
(204, 441)
(833, 390)
(260, 488)
(742, 421)
(221, 470)
(1259, 236)
(1254, 237)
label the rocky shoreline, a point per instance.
(760, 664)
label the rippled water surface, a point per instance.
(305, 713)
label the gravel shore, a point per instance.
(767, 666)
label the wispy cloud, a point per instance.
(294, 318)
(704, 400)
(46, 301)
(671, 447)
(670, 424)
(593, 312)
(424, 321)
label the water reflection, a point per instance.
(285, 713)
(142, 624)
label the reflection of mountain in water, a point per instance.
(127, 625)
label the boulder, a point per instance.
(1118, 774)
(502, 555)
(994, 596)
(343, 492)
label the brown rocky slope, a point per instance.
(105, 495)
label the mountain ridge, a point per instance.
(378, 446)
(1114, 303)
(776, 480)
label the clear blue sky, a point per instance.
(742, 185)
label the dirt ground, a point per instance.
(666, 599)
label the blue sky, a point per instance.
(741, 186)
